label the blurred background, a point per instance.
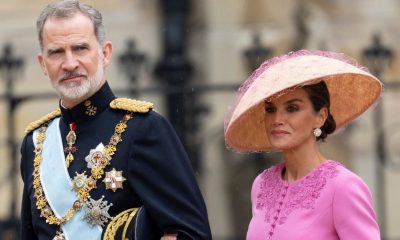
(188, 58)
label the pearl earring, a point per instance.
(317, 132)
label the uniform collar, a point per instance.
(89, 108)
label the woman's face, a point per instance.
(290, 120)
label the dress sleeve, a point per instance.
(27, 232)
(353, 214)
(161, 174)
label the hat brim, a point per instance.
(352, 91)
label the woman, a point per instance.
(289, 104)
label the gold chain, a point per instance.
(83, 193)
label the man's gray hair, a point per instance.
(67, 9)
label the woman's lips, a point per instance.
(279, 132)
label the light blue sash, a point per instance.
(57, 186)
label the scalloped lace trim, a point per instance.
(280, 198)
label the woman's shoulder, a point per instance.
(344, 173)
(345, 178)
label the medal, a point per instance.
(71, 138)
(114, 180)
(59, 236)
(79, 181)
(97, 157)
(96, 211)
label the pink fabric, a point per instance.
(329, 203)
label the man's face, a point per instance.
(72, 58)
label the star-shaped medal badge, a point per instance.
(97, 157)
(96, 211)
(114, 180)
(79, 181)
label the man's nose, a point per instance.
(70, 62)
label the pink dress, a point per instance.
(329, 203)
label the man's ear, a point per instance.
(41, 63)
(107, 52)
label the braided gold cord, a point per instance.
(131, 105)
(33, 125)
(133, 214)
(117, 222)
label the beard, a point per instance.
(79, 90)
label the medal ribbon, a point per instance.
(57, 186)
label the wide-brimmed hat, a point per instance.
(351, 87)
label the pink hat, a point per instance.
(351, 87)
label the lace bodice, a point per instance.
(279, 198)
(329, 203)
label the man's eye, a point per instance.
(54, 52)
(82, 48)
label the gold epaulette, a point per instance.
(33, 125)
(131, 105)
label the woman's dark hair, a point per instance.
(319, 96)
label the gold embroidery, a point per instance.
(117, 222)
(91, 111)
(133, 213)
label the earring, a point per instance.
(317, 132)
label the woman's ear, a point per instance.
(322, 115)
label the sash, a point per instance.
(57, 186)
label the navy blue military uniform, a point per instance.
(154, 163)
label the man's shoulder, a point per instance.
(46, 118)
(142, 110)
(131, 105)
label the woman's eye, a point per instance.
(292, 108)
(269, 109)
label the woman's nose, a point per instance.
(278, 118)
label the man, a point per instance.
(101, 167)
